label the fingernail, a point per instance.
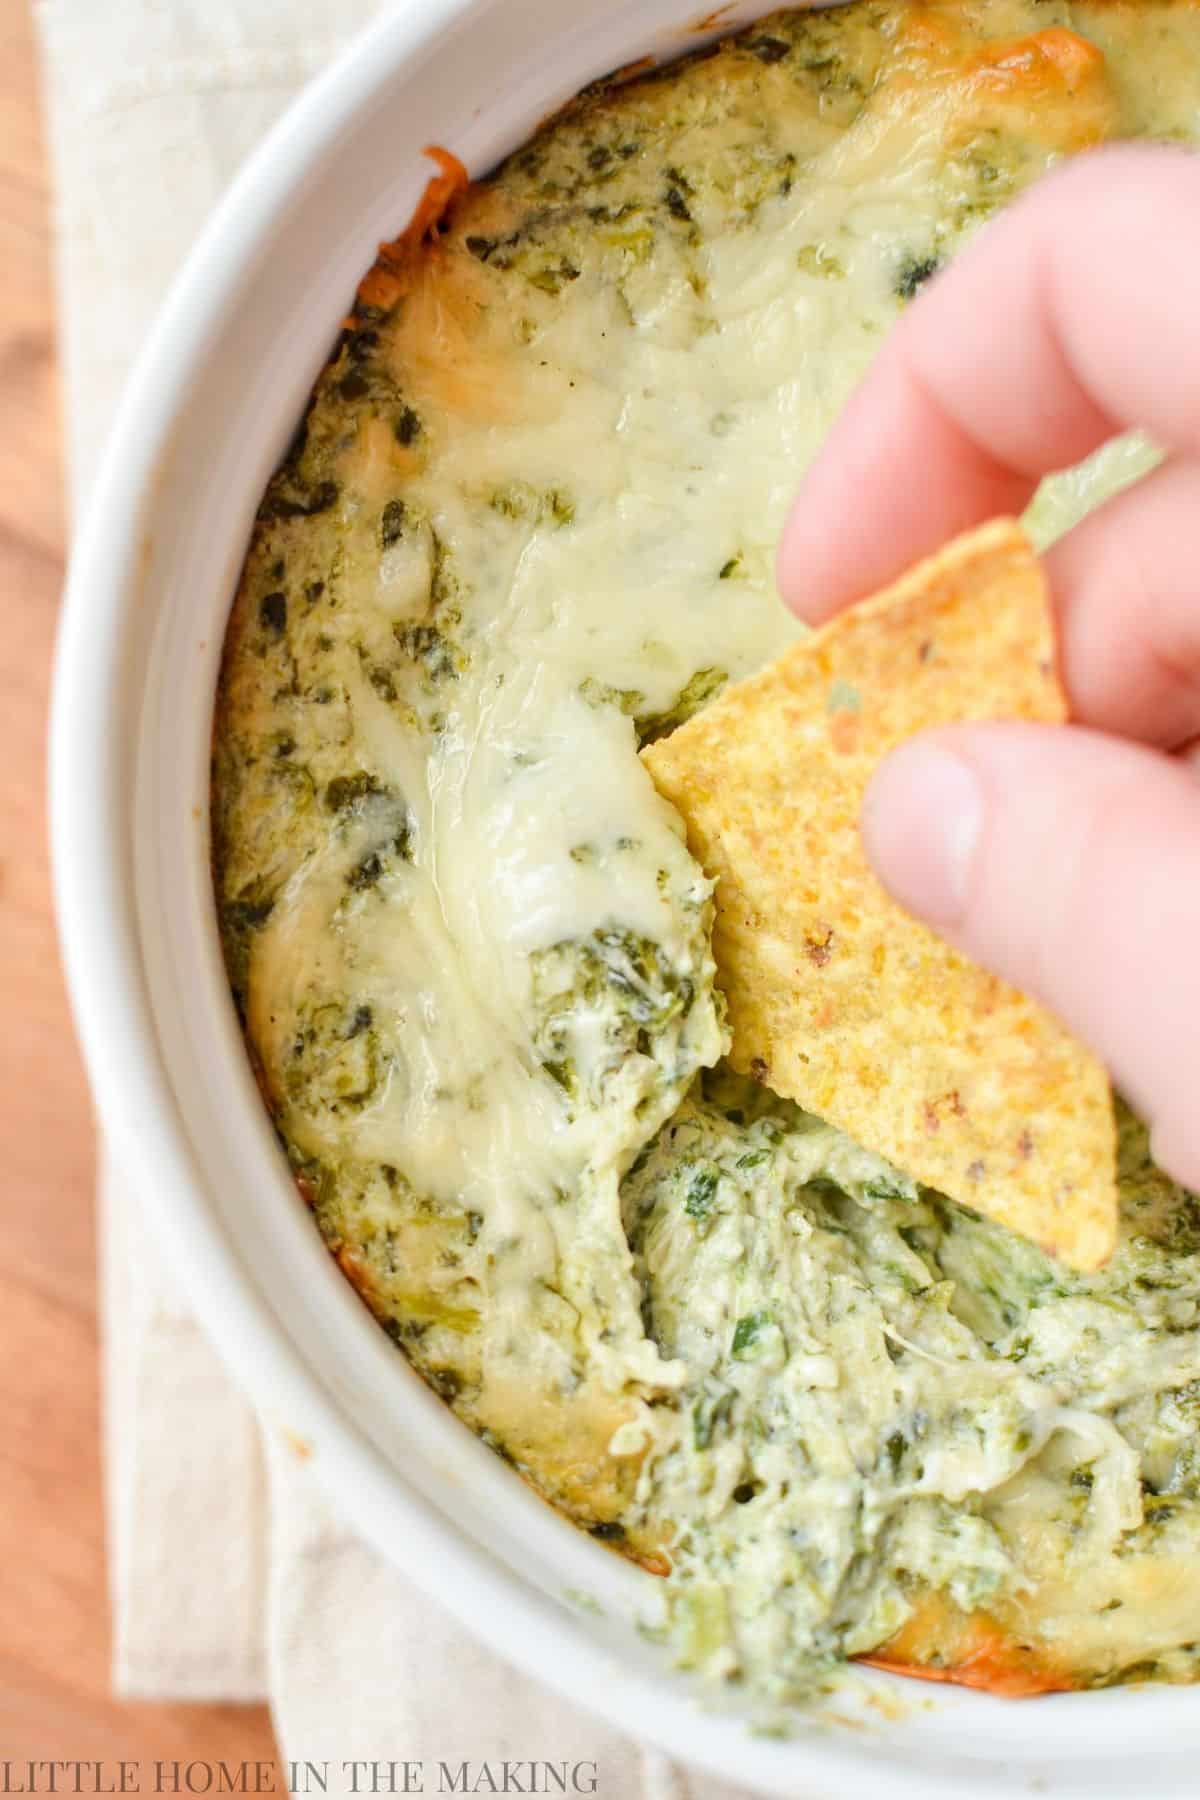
(922, 821)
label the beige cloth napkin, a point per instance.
(231, 1579)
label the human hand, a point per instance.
(1067, 861)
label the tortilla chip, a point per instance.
(837, 998)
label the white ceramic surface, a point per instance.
(212, 404)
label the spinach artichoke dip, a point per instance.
(526, 527)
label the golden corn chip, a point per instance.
(837, 998)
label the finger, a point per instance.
(1071, 318)
(1126, 587)
(1069, 863)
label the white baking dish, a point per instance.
(214, 400)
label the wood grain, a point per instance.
(54, 1639)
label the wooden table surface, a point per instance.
(54, 1635)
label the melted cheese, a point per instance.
(532, 516)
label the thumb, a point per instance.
(1069, 863)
